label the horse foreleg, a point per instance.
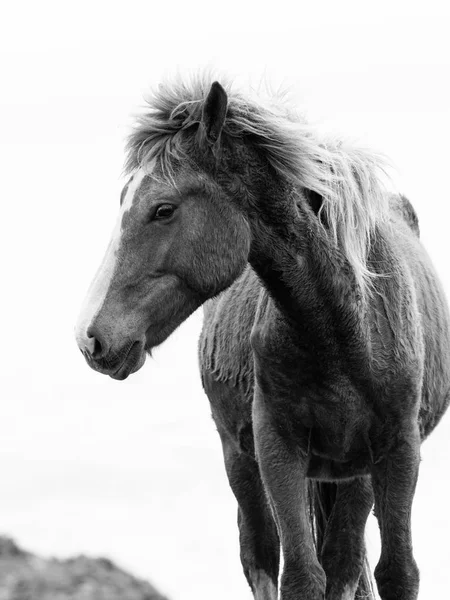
(260, 548)
(394, 480)
(343, 550)
(283, 466)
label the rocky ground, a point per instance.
(24, 576)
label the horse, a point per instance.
(325, 348)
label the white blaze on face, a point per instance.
(99, 287)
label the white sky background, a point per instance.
(133, 469)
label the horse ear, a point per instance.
(214, 112)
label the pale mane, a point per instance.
(349, 178)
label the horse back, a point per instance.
(402, 206)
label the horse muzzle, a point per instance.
(117, 364)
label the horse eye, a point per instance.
(164, 211)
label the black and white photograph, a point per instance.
(225, 358)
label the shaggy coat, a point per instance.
(325, 350)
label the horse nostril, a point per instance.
(96, 347)
(97, 350)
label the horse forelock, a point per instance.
(349, 178)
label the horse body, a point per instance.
(325, 351)
(406, 339)
(350, 411)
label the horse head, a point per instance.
(177, 242)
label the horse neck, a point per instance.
(310, 281)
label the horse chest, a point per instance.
(336, 423)
(332, 415)
(310, 394)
